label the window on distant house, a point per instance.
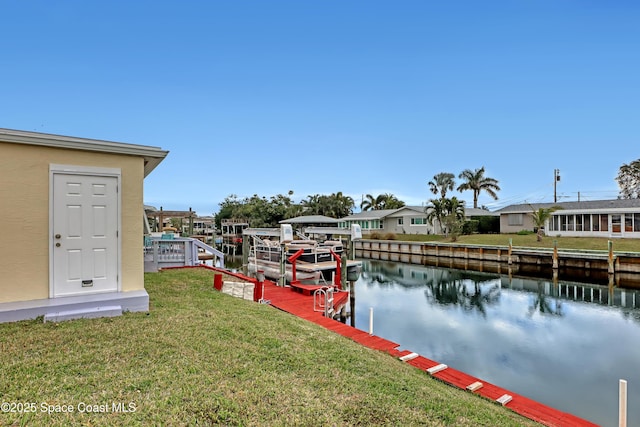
(604, 222)
(400, 221)
(418, 221)
(563, 223)
(587, 222)
(616, 223)
(515, 219)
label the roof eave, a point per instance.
(153, 156)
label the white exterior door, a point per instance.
(84, 252)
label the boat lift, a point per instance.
(285, 235)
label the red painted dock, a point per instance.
(301, 305)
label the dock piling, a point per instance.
(610, 248)
(622, 407)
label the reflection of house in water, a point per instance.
(412, 275)
(463, 287)
(467, 289)
(597, 294)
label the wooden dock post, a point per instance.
(246, 248)
(509, 260)
(611, 269)
(283, 268)
(555, 255)
(352, 303)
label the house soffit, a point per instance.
(152, 155)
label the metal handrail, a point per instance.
(323, 300)
(180, 250)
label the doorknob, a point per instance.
(57, 236)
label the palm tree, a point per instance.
(436, 210)
(372, 203)
(382, 201)
(540, 217)
(448, 212)
(392, 202)
(477, 182)
(340, 205)
(442, 183)
(454, 219)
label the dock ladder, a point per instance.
(323, 301)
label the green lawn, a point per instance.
(203, 358)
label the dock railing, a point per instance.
(178, 252)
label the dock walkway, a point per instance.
(301, 305)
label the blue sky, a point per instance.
(363, 97)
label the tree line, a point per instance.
(447, 212)
(261, 211)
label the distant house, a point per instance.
(599, 218)
(72, 211)
(405, 220)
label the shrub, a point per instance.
(488, 224)
(390, 236)
(375, 235)
(470, 227)
(524, 232)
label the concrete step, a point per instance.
(84, 313)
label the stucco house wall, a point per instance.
(516, 221)
(25, 208)
(405, 220)
(24, 172)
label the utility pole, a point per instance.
(556, 178)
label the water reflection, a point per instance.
(565, 344)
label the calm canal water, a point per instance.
(565, 345)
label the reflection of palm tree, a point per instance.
(375, 275)
(480, 299)
(376, 278)
(543, 304)
(443, 292)
(454, 291)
